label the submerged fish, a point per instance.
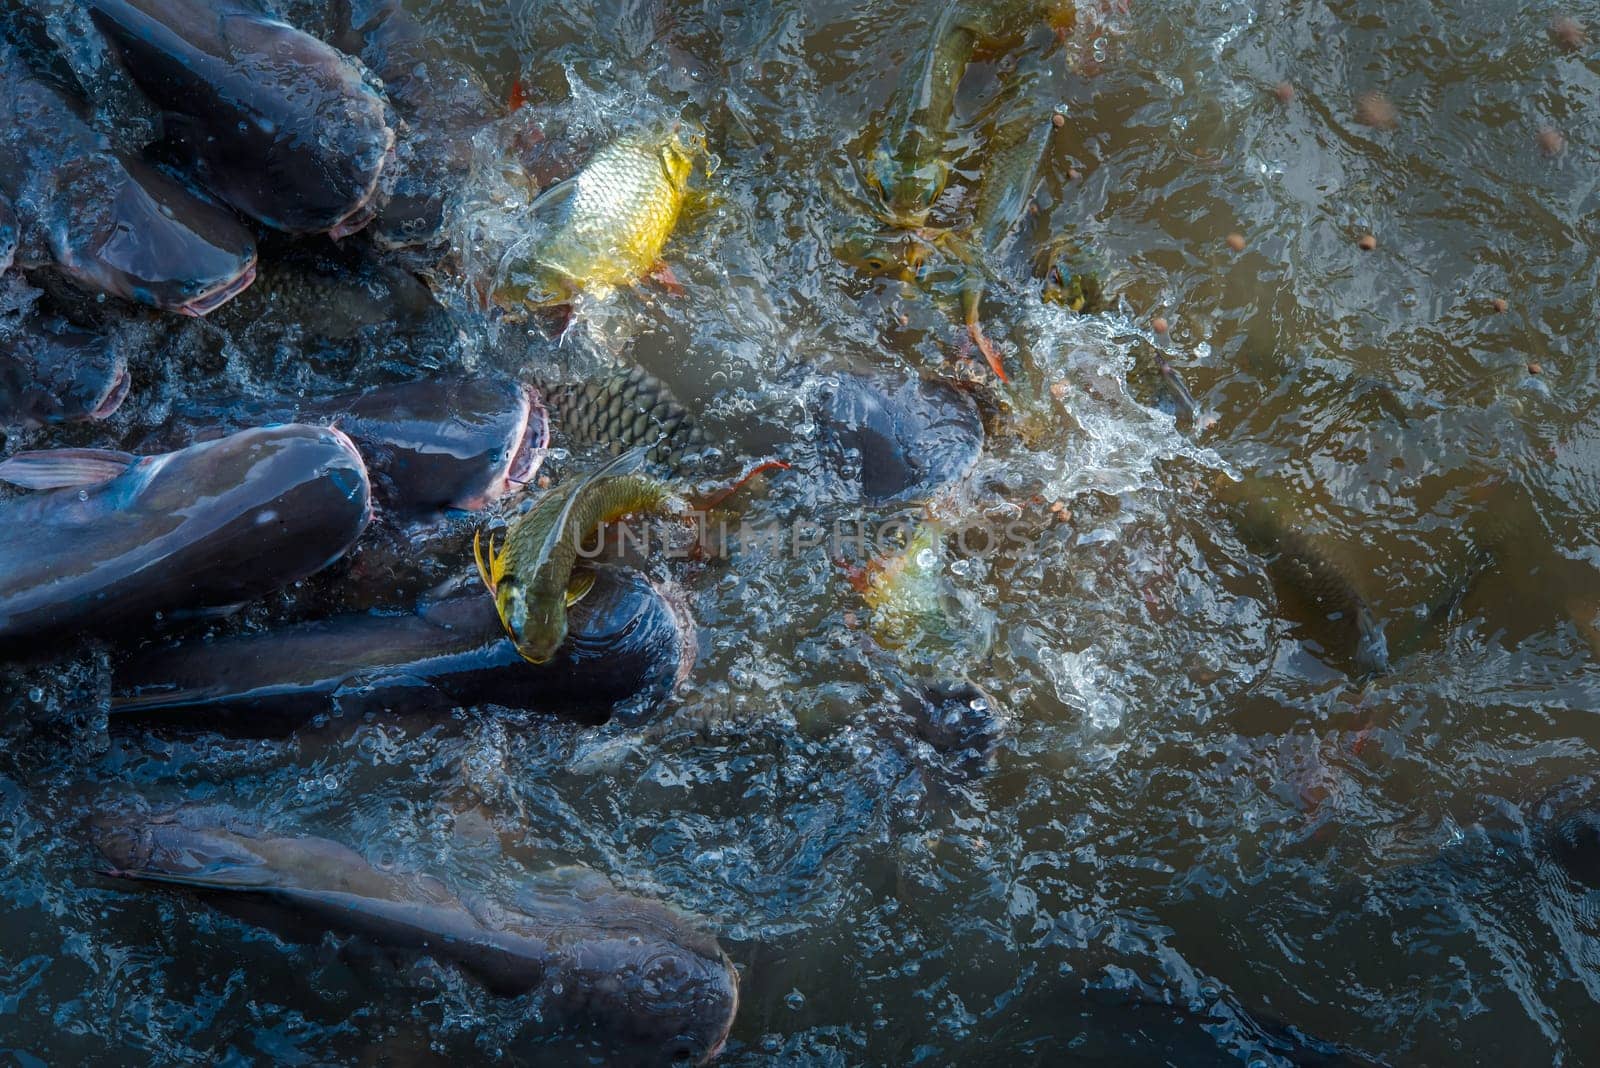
(531, 576)
(272, 120)
(630, 972)
(629, 647)
(1014, 159)
(1309, 571)
(112, 225)
(911, 166)
(116, 539)
(605, 226)
(52, 372)
(897, 438)
(894, 253)
(906, 592)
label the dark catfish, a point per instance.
(898, 437)
(272, 120)
(114, 539)
(431, 445)
(111, 224)
(53, 372)
(444, 103)
(628, 648)
(644, 980)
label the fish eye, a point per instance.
(875, 263)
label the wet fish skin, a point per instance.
(906, 592)
(629, 409)
(899, 438)
(531, 576)
(276, 123)
(625, 654)
(112, 225)
(605, 226)
(444, 103)
(52, 372)
(446, 443)
(216, 524)
(626, 968)
(909, 169)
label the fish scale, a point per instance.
(628, 409)
(606, 225)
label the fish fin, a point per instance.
(717, 496)
(494, 570)
(215, 877)
(625, 464)
(663, 276)
(985, 346)
(554, 198)
(59, 468)
(517, 97)
(578, 586)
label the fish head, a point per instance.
(537, 624)
(1069, 283)
(880, 254)
(657, 988)
(67, 374)
(906, 193)
(134, 233)
(684, 144)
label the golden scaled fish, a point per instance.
(532, 575)
(605, 226)
(906, 591)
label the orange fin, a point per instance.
(859, 577)
(662, 275)
(986, 347)
(708, 503)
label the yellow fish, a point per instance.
(605, 226)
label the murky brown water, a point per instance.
(1202, 839)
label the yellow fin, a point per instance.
(495, 569)
(578, 586)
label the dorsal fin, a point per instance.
(626, 464)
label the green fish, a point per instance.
(532, 575)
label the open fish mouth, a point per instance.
(531, 447)
(115, 394)
(207, 303)
(366, 208)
